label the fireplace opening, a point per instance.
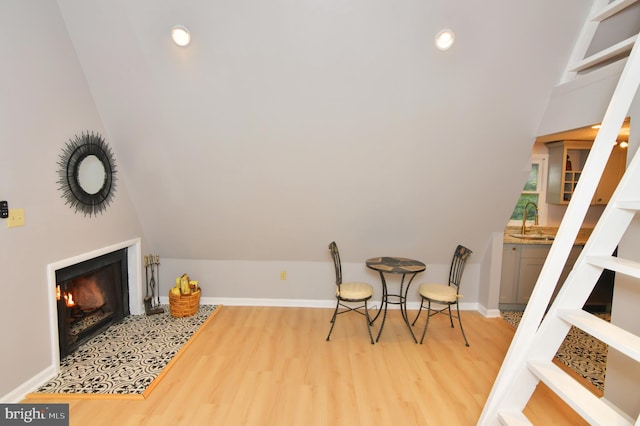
(91, 296)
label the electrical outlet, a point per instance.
(283, 275)
(16, 218)
(4, 209)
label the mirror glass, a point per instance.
(87, 174)
(91, 174)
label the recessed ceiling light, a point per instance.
(180, 35)
(445, 39)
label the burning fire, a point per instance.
(68, 297)
(68, 300)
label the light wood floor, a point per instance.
(272, 366)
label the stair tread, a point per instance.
(611, 9)
(590, 407)
(622, 340)
(513, 418)
(619, 48)
(628, 205)
(616, 264)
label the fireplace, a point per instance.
(90, 296)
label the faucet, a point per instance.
(524, 216)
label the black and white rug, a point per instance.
(580, 351)
(128, 356)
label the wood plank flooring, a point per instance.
(272, 366)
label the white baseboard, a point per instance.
(290, 303)
(489, 313)
(312, 303)
(29, 386)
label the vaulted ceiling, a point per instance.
(287, 124)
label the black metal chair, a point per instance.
(352, 292)
(445, 294)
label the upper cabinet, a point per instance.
(566, 161)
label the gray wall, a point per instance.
(283, 127)
(44, 101)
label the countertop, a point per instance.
(581, 239)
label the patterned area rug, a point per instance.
(128, 357)
(580, 351)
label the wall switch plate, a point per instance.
(16, 218)
(4, 209)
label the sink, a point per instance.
(533, 237)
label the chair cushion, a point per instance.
(438, 292)
(355, 291)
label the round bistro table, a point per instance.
(408, 268)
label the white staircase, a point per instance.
(600, 11)
(536, 341)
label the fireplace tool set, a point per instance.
(152, 275)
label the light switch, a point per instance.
(16, 218)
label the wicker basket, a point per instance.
(184, 305)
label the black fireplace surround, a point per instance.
(91, 295)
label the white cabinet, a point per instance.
(521, 266)
(532, 259)
(566, 162)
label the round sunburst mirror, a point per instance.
(87, 174)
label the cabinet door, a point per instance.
(509, 277)
(611, 176)
(571, 260)
(531, 261)
(555, 171)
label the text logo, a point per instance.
(34, 414)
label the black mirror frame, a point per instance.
(75, 196)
